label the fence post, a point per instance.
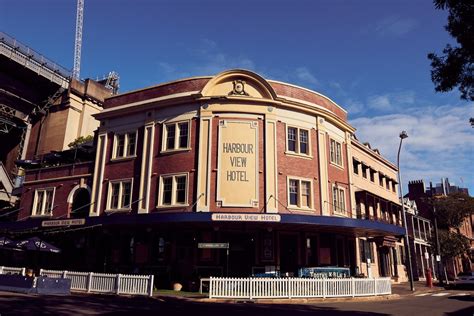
(375, 287)
(210, 286)
(89, 282)
(150, 281)
(117, 283)
(23, 271)
(64, 274)
(289, 288)
(250, 288)
(324, 287)
(352, 287)
(41, 272)
(1, 270)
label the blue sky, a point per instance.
(368, 56)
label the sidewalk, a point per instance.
(403, 289)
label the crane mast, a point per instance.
(78, 41)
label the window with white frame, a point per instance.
(125, 145)
(43, 202)
(120, 195)
(338, 199)
(335, 152)
(298, 140)
(176, 136)
(173, 190)
(299, 193)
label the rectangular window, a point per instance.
(387, 183)
(125, 145)
(338, 200)
(298, 141)
(355, 166)
(176, 136)
(43, 204)
(335, 152)
(381, 179)
(299, 193)
(372, 174)
(364, 170)
(120, 195)
(173, 190)
(394, 186)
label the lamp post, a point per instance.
(404, 135)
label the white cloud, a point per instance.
(304, 75)
(390, 101)
(440, 142)
(395, 26)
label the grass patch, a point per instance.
(178, 293)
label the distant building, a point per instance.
(419, 192)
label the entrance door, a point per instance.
(384, 262)
(288, 253)
(241, 254)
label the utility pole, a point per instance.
(438, 250)
(78, 40)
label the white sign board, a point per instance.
(238, 217)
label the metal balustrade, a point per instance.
(253, 288)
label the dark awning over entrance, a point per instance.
(343, 225)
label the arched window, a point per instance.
(79, 201)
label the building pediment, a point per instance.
(238, 84)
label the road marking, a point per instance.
(422, 294)
(440, 294)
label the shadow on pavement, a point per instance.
(13, 304)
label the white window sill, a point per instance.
(172, 151)
(123, 158)
(172, 206)
(41, 216)
(296, 208)
(336, 165)
(295, 154)
(118, 210)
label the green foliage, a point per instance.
(455, 68)
(452, 244)
(451, 210)
(80, 140)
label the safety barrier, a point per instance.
(104, 282)
(253, 288)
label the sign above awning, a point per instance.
(213, 245)
(63, 222)
(239, 217)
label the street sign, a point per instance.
(438, 258)
(427, 255)
(213, 245)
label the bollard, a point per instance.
(429, 279)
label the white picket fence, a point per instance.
(12, 270)
(92, 282)
(253, 288)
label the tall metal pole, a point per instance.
(403, 135)
(438, 250)
(78, 40)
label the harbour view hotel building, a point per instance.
(271, 168)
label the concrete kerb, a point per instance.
(286, 300)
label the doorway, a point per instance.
(288, 254)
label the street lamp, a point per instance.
(404, 135)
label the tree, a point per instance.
(451, 210)
(452, 244)
(80, 140)
(455, 68)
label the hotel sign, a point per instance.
(237, 178)
(63, 222)
(236, 217)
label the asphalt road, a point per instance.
(448, 303)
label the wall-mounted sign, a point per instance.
(213, 245)
(63, 222)
(238, 217)
(237, 177)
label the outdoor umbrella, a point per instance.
(7, 243)
(36, 244)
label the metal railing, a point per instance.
(92, 282)
(254, 288)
